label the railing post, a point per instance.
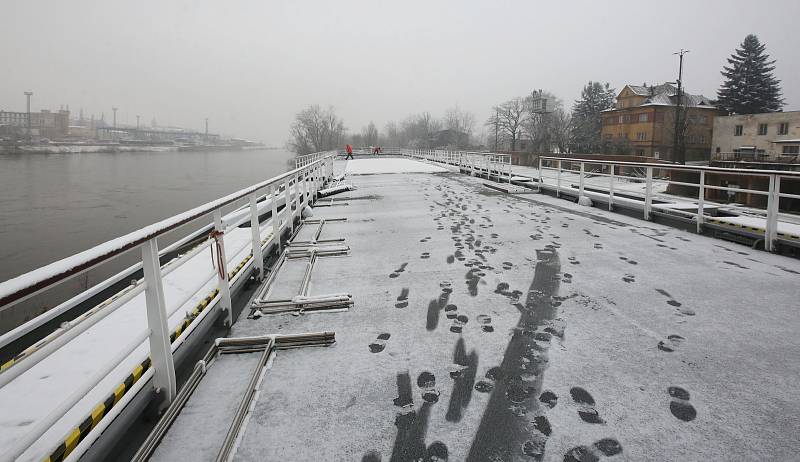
(701, 198)
(160, 347)
(287, 208)
(648, 193)
(315, 183)
(558, 178)
(298, 197)
(256, 235)
(276, 227)
(540, 172)
(611, 188)
(580, 182)
(773, 207)
(304, 190)
(223, 283)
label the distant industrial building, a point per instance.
(44, 123)
(644, 119)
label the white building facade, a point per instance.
(773, 134)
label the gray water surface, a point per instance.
(55, 205)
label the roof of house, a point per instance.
(666, 94)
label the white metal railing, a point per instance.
(662, 173)
(307, 178)
(587, 170)
(492, 164)
(302, 161)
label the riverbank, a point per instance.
(117, 148)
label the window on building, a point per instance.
(791, 149)
(621, 119)
(643, 117)
(702, 139)
(762, 129)
(737, 130)
(641, 136)
(703, 120)
(640, 152)
(783, 128)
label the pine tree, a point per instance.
(749, 86)
(587, 116)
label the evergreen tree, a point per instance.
(749, 86)
(587, 116)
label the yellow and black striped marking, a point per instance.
(752, 228)
(101, 410)
(74, 437)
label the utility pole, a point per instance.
(678, 151)
(496, 124)
(28, 94)
(206, 130)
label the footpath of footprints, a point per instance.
(518, 404)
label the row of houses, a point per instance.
(643, 120)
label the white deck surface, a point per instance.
(389, 165)
(37, 391)
(581, 302)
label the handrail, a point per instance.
(492, 164)
(21, 287)
(697, 168)
(307, 181)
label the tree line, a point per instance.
(538, 120)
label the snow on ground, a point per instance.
(489, 326)
(33, 394)
(390, 165)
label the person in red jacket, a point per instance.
(349, 150)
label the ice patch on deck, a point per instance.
(389, 165)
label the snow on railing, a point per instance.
(307, 178)
(663, 173)
(499, 166)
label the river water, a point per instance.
(55, 205)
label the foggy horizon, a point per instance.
(251, 67)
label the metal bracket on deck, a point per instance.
(266, 345)
(333, 302)
(303, 302)
(329, 203)
(511, 189)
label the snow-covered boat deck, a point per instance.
(489, 326)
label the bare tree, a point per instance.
(370, 135)
(508, 119)
(548, 131)
(391, 135)
(417, 129)
(458, 120)
(315, 130)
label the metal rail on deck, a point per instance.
(499, 166)
(773, 192)
(308, 177)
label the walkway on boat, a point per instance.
(490, 326)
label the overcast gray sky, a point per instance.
(250, 65)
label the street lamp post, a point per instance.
(678, 154)
(28, 95)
